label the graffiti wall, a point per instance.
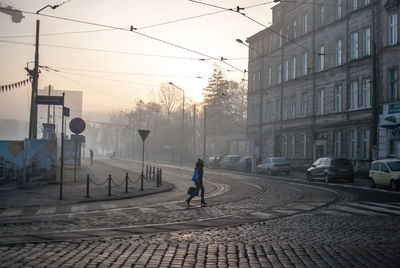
(28, 161)
(41, 159)
(11, 162)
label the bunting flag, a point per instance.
(14, 85)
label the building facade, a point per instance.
(311, 81)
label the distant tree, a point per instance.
(170, 98)
(226, 103)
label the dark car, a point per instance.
(244, 164)
(229, 161)
(213, 161)
(331, 169)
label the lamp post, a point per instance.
(183, 115)
(261, 96)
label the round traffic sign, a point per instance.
(77, 125)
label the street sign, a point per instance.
(79, 138)
(143, 133)
(77, 125)
(66, 111)
(50, 100)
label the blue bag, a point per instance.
(195, 177)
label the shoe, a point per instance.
(203, 204)
(188, 202)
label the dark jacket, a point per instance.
(199, 167)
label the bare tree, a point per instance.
(170, 98)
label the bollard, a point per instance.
(109, 184)
(147, 171)
(126, 183)
(87, 186)
(154, 173)
(160, 176)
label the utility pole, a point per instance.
(35, 77)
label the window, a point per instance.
(284, 145)
(338, 9)
(304, 24)
(284, 108)
(392, 84)
(392, 29)
(354, 46)
(337, 99)
(268, 110)
(292, 106)
(294, 29)
(269, 76)
(279, 78)
(337, 143)
(366, 45)
(321, 18)
(304, 104)
(320, 101)
(321, 59)
(292, 146)
(366, 2)
(353, 5)
(294, 64)
(286, 71)
(305, 65)
(365, 144)
(278, 109)
(338, 53)
(353, 144)
(280, 38)
(353, 95)
(253, 82)
(270, 43)
(384, 168)
(304, 147)
(366, 93)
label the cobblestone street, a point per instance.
(250, 221)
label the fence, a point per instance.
(153, 174)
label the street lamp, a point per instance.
(261, 95)
(183, 115)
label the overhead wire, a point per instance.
(133, 31)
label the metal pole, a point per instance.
(141, 179)
(126, 183)
(194, 132)
(109, 184)
(183, 127)
(62, 150)
(204, 134)
(375, 96)
(35, 76)
(87, 185)
(76, 156)
(48, 107)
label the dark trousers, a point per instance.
(199, 187)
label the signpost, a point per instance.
(143, 134)
(77, 126)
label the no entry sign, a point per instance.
(77, 125)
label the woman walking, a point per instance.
(199, 183)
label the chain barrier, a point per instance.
(151, 176)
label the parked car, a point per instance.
(229, 161)
(213, 161)
(272, 165)
(244, 164)
(385, 172)
(331, 169)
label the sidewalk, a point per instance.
(75, 192)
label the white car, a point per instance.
(385, 172)
(272, 165)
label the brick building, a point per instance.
(312, 71)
